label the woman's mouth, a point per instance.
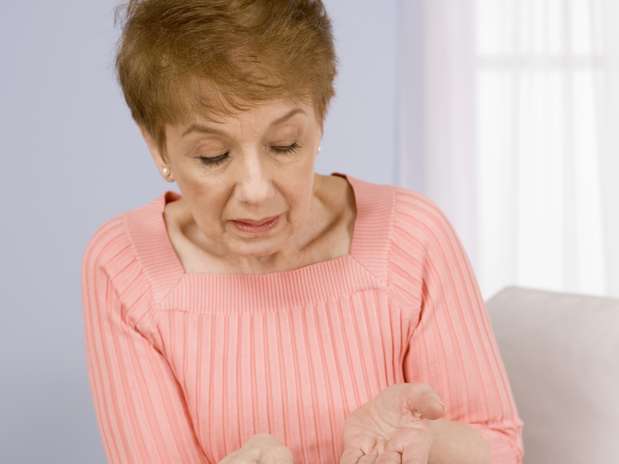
(256, 228)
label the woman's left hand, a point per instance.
(392, 427)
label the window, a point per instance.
(539, 65)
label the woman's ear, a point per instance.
(160, 162)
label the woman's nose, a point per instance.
(254, 184)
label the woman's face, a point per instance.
(255, 165)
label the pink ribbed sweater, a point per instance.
(184, 367)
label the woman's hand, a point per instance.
(392, 427)
(260, 449)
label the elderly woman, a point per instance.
(267, 313)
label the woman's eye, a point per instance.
(217, 160)
(288, 149)
(213, 160)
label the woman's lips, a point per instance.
(262, 227)
(255, 223)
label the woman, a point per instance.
(268, 313)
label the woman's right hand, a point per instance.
(262, 448)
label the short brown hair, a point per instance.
(176, 57)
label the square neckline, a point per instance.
(365, 266)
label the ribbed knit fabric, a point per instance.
(184, 367)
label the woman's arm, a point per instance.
(451, 345)
(138, 403)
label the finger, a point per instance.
(368, 458)
(389, 457)
(351, 456)
(416, 454)
(431, 407)
(423, 400)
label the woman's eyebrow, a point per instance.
(206, 129)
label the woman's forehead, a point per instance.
(260, 119)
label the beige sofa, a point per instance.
(561, 352)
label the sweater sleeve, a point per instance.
(451, 345)
(139, 405)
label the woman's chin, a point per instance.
(257, 246)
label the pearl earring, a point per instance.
(166, 171)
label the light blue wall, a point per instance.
(361, 127)
(72, 158)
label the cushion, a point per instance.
(561, 353)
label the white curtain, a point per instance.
(508, 117)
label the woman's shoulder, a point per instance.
(112, 265)
(409, 207)
(412, 206)
(112, 242)
(402, 198)
(105, 240)
(418, 223)
(418, 228)
(390, 214)
(109, 261)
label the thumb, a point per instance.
(429, 406)
(422, 401)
